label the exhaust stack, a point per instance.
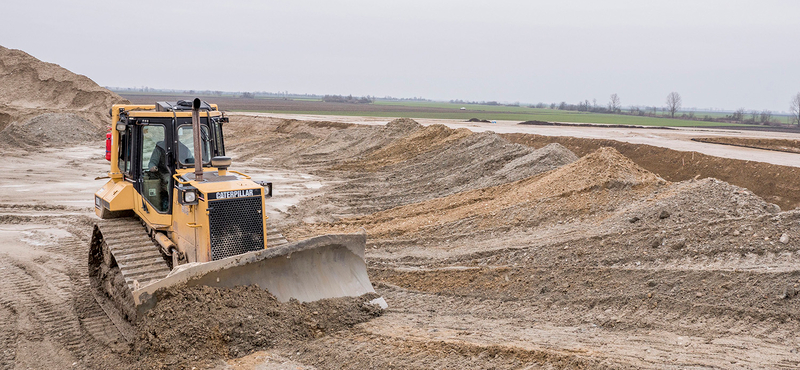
(198, 147)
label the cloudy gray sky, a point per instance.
(723, 54)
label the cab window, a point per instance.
(155, 169)
(125, 151)
(186, 144)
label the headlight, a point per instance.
(189, 197)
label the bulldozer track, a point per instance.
(274, 237)
(105, 325)
(140, 261)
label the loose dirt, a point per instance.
(605, 169)
(50, 129)
(30, 87)
(777, 184)
(423, 140)
(492, 251)
(229, 323)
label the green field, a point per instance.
(426, 109)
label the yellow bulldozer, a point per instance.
(174, 214)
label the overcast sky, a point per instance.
(723, 54)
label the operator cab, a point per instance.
(155, 143)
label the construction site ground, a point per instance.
(510, 250)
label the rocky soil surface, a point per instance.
(490, 254)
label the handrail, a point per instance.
(177, 178)
(241, 174)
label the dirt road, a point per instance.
(48, 316)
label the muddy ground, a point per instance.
(490, 254)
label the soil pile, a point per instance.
(477, 161)
(309, 144)
(704, 200)
(50, 129)
(776, 184)
(605, 170)
(427, 139)
(358, 141)
(30, 87)
(198, 325)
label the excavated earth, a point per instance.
(36, 98)
(490, 254)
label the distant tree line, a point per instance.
(672, 110)
(491, 102)
(614, 106)
(348, 99)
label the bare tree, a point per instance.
(673, 103)
(794, 109)
(754, 116)
(766, 117)
(738, 115)
(614, 104)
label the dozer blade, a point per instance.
(327, 266)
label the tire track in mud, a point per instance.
(53, 314)
(51, 292)
(609, 335)
(8, 334)
(92, 317)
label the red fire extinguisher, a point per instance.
(108, 145)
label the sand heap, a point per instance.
(309, 144)
(342, 147)
(602, 171)
(50, 129)
(419, 141)
(476, 161)
(404, 162)
(30, 88)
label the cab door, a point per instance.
(153, 177)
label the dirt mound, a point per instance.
(290, 126)
(540, 160)
(358, 142)
(606, 168)
(29, 87)
(776, 184)
(705, 200)
(403, 125)
(476, 161)
(536, 122)
(300, 144)
(51, 129)
(199, 325)
(603, 170)
(420, 141)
